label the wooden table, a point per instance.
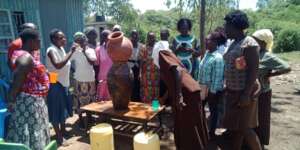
(136, 118)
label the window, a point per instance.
(18, 19)
(6, 30)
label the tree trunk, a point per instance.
(202, 27)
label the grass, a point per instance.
(292, 57)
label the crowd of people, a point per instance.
(234, 76)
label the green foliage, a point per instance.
(288, 40)
(262, 3)
(281, 16)
(295, 2)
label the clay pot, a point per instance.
(119, 47)
(120, 85)
(119, 76)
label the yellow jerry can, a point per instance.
(101, 137)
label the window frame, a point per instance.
(9, 23)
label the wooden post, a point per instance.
(202, 27)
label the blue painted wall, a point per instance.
(66, 15)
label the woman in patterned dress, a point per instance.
(185, 47)
(149, 71)
(29, 114)
(241, 68)
(85, 86)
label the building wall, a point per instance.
(29, 7)
(66, 15)
(75, 21)
(31, 14)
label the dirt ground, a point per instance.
(285, 119)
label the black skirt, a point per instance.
(264, 117)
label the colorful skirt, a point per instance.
(84, 93)
(149, 90)
(29, 122)
(264, 117)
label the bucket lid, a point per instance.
(143, 137)
(4, 110)
(102, 128)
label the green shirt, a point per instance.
(268, 62)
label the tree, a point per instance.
(295, 2)
(100, 7)
(215, 11)
(119, 10)
(262, 3)
(202, 27)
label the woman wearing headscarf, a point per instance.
(241, 68)
(269, 66)
(91, 34)
(29, 122)
(83, 59)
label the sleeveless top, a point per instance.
(63, 73)
(37, 81)
(235, 79)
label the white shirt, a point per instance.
(63, 73)
(134, 56)
(84, 71)
(221, 49)
(161, 45)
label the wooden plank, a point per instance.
(129, 129)
(137, 111)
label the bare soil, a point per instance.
(285, 120)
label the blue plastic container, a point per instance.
(3, 114)
(3, 106)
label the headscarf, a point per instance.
(78, 35)
(116, 28)
(266, 36)
(106, 31)
(88, 30)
